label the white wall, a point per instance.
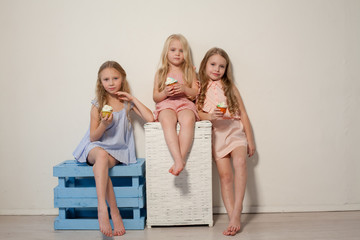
(295, 63)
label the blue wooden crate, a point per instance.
(76, 198)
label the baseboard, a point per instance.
(274, 209)
(29, 212)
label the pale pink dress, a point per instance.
(227, 133)
(176, 103)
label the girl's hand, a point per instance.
(251, 148)
(216, 114)
(179, 88)
(106, 121)
(124, 96)
(169, 91)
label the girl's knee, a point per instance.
(101, 158)
(187, 121)
(226, 178)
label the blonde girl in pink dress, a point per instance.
(174, 103)
(232, 132)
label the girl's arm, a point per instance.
(97, 128)
(190, 92)
(139, 108)
(216, 114)
(204, 115)
(246, 122)
(160, 96)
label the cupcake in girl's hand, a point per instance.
(222, 107)
(170, 81)
(106, 111)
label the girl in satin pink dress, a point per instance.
(232, 133)
(174, 103)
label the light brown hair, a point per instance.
(227, 81)
(101, 94)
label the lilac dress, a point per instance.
(117, 140)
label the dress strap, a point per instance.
(95, 102)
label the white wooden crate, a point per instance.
(178, 200)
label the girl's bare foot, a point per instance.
(177, 168)
(234, 225)
(119, 228)
(104, 222)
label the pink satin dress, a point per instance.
(227, 133)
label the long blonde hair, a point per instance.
(187, 66)
(101, 94)
(227, 81)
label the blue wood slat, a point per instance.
(90, 192)
(136, 212)
(62, 181)
(62, 213)
(135, 181)
(92, 202)
(71, 168)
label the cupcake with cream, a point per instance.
(170, 81)
(222, 107)
(106, 111)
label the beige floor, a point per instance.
(287, 226)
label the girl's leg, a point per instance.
(187, 122)
(239, 162)
(227, 185)
(101, 163)
(168, 120)
(119, 228)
